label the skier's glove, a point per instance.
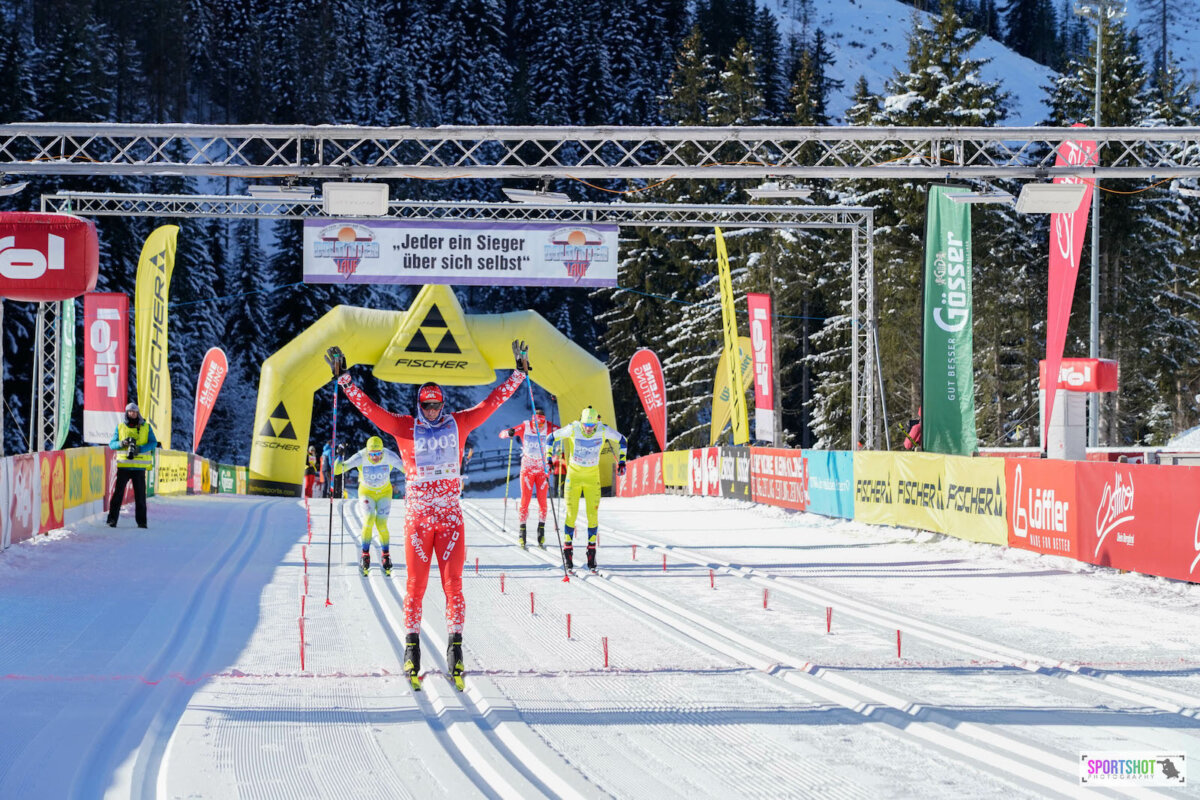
(521, 355)
(621, 468)
(336, 361)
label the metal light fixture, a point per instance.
(531, 196)
(1050, 198)
(9, 189)
(771, 191)
(981, 197)
(355, 199)
(265, 192)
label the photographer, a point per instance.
(134, 442)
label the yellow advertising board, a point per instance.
(675, 469)
(172, 472)
(976, 497)
(920, 491)
(77, 476)
(874, 487)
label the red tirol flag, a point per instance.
(212, 375)
(105, 363)
(1066, 246)
(647, 377)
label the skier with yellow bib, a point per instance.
(375, 464)
(587, 437)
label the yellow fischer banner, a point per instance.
(741, 424)
(975, 499)
(920, 491)
(675, 468)
(874, 487)
(150, 330)
(172, 472)
(721, 409)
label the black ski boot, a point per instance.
(521, 536)
(387, 564)
(366, 564)
(542, 535)
(567, 556)
(454, 661)
(591, 556)
(412, 659)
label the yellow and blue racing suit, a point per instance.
(583, 476)
(374, 492)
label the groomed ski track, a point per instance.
(165, 662)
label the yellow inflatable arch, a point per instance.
(432, 341)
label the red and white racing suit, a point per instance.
(433, 521)
(534, 479)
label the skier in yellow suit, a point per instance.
(375, 464)
(586, 438)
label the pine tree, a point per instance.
(1031, 29)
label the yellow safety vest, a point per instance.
(142, 434)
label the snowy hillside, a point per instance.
(870, 37)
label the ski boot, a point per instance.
(454, 661)
(365, 567)
(412, 660)
(387, 564)
(567, 556)
(521, 536)
(591, 557)
(542, 535)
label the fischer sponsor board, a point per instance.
(735, 472)
(830, 482)
(675, 469)
(779, 477)
(975, 499)
(460, 253)
(1042, 506)
(172, 472)
(905, 489)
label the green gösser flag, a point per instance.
(948, 387)
(66, 375)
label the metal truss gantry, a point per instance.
(651, 153)
(866, 424)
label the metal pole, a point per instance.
(1094, 321)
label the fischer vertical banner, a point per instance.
(761, 333)
(948, 376)
(105, 363)
(741, 425)
(150, 304)
(66, 373)
(1067, 232)
(208, 386)
(722, 409)
(647, 375)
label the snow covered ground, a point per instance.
(165, 662)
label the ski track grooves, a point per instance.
(108, 754)
(503, 759)
(1118, 686)
(999, 754)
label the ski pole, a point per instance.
(329, 548)
(507, 481)
(542, 450)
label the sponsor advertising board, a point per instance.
(779, 477)
(830, 482)
(105, 364)
(53, 476)
(975, 499)
(26, 502)
(5, 508)
(1042, 506)
(735, 472)
(675, 469)
(172, 472)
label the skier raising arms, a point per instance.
(535, 444)
(431, 446)
(587, 437)
(375, 464)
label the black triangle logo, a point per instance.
(418, 344)
(447, 344)
(288, 432)
(434, 319)
(267, 430)
(280, 412)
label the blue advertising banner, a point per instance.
(831, 482)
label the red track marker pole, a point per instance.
(302, 599)
(604, 639)
(501, 583)
(568, 626)
(664, 562)
(897, 643)
(531, 604)
(711, 581)
(301, 620)
(306, 584)
(476, 565)
(828, 618)
(765, 597)
(635, 552)
(304, 552)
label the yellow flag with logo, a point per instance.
(150, 330)
(741, 423)
(721, 408)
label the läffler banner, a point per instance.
(105, 364)
(1042, 506)
(462, 253)
(947, 370)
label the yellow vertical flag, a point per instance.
(741, 423)
(721, 394)
(150, 329)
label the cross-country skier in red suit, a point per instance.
(431, 446)
(535, 447)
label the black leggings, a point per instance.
(124, 476)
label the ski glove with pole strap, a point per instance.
(336, 361)
(521, 355)
(621, 468)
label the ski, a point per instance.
(415, 682)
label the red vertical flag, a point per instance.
(1066, 246)
(764, 381)
(212, 375)
(647, 377)
(105, 364)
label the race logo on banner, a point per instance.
(150, 302)
(764, 382)
(779, 477)
(47, 257)
(647, 375)
(105, 364)
(461, 253)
